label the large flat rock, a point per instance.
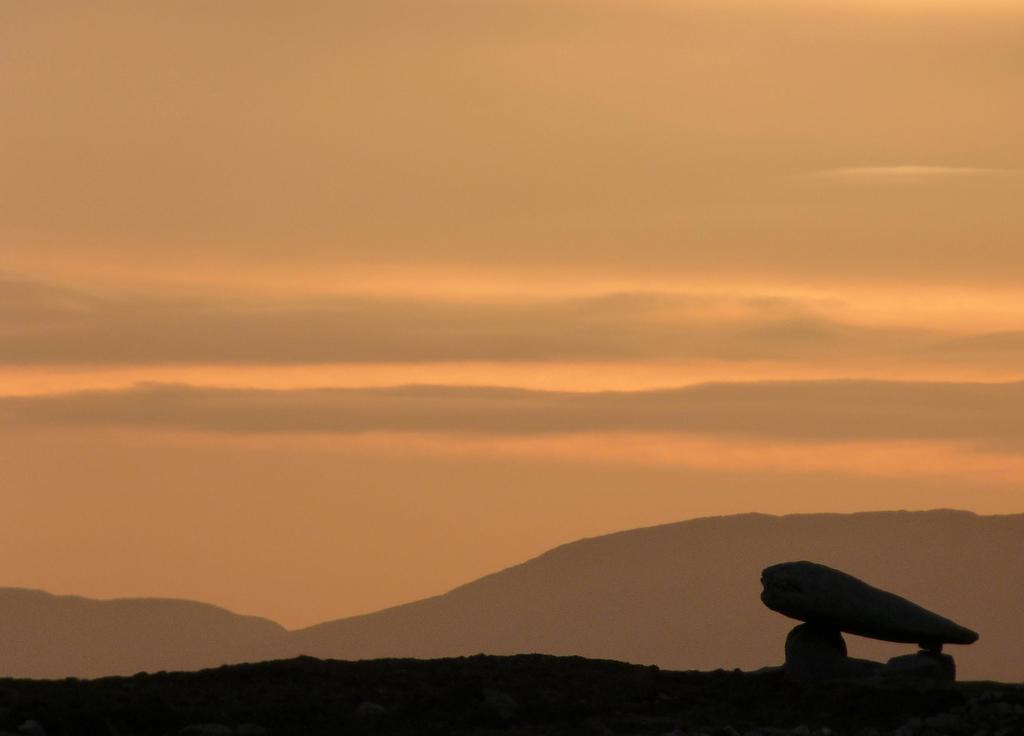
(827, 597)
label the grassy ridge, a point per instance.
(526, 694)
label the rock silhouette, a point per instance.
(924, 664)
(816, 652)
(818, 594)
(831, 602)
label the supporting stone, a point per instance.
(815, 653)
(924, 665)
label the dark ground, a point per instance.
(527, 694)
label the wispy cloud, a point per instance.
(43, 324)
(800, 411)
(909, 171)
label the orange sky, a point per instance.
(633, 262)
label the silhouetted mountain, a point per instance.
(44, 635)
(685, 595)
(682, 596)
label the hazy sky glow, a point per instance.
(411, 291)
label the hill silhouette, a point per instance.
(50, 636)
(681, 596)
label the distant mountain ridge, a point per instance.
(682, 596)
(44, 635)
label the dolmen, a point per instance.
(831, 603)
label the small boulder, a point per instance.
(500, 703)
(368, 710)
(814, 653)
(206, 729)
(924, 665)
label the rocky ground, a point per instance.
(528, 694)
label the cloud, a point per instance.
(1001, 344)
(802, 411)
(910, 171)
(47, 324)
(647, 136)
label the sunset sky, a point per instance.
(311, 308)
